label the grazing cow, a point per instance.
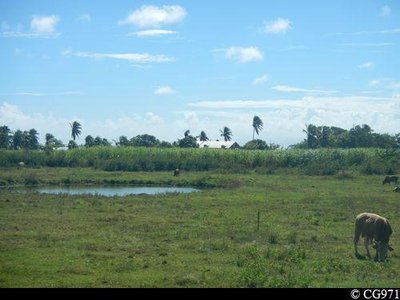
(389, 179)
(397, 189)
(373, 228)
(177, 172)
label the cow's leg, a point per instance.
(355, 246)
(376, 255)
(366, 243)
(356, 239)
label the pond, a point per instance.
(109, 191)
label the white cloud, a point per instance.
(164, 90)
(385, 11)
(285, 118)
(291, 89)
(337, 104)
(191, 118)
(155, 16)
(141, 58)
(374, 82)
(368, 32)
(349, 102)
(260, 80)
(40, 27)
(85, 18)
(152, 118)
(387, 83)
(367, 65)
(22, 53)
(242, 54)
(366, 44)
(279, 26)
(153, 33)
(371, 92)
(387, 31)
(15, 118)
(395, 85)
(44, 24)
(372, 32)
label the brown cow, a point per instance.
(389, 179)
(373, 228)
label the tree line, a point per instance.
(30, 139)
(360, 136)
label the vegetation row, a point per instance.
(309, 162)
(316, 137)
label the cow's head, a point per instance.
(382, 250)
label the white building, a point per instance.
(218, 145)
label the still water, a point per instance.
(110, 191)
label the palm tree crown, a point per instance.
(203, 137)
(76, 130)
(257, 125)
(187, 133)
(312, 132)
(227, 134)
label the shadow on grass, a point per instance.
(361, 257)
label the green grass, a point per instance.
(206, 239)
(308, 162)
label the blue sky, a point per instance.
(163, 67)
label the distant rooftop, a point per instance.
(218, 145)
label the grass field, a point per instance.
(206, 239)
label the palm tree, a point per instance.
(313, 134)
(33, 139)
(226, 133)
(49, 138)
(89, 141)
(123, 141)
(187, 133)
(76, 130)
(5, 137)
(257, 125)
(17, 140)
(203, 137)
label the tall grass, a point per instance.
(311, 162)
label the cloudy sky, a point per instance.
(163, 67)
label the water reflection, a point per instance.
(110, 191)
